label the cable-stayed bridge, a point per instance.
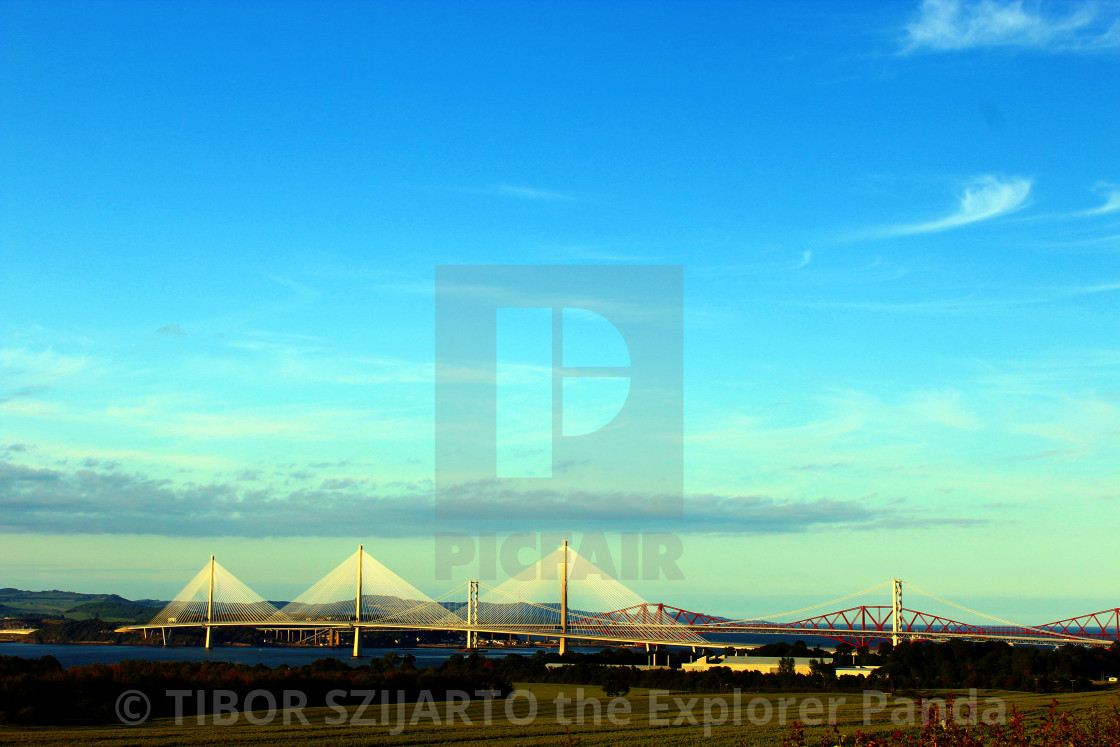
(566, 597)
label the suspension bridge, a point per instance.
(565, 597)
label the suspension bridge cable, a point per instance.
(597, 603)
(1048, 633)
(765, 618)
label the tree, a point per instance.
(615, 683)
(820, 669)
(786, 670)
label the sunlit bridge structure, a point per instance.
(565, 597)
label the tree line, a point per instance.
(42, 691)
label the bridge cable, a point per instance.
(1047, 633)
(766, 618)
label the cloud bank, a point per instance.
(91, 500)
(952, 25)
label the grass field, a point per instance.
(761, 716)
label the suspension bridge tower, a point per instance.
(358, 607)
(564, 598)
(896, 611)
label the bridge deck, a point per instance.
(673, 635)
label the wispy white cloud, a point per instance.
(804, 258)
(1052, 374)
(1087, 423)
(530, 193)
(982, 198)
(43, 366)
(503, 189)
(965, 304)
(949, 25)
(1107, 243)
(1110, 203)
(594, 254)
(302, 293)
(355, 370)
(971, 304)
(1111, 200)
(945, 408)
(25, 373)
(1089, 290)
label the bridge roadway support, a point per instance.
(358, 608)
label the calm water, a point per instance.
(78, 654)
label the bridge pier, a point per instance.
(357, 641)
(207, 637)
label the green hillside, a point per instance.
(111, 612)
(6, 611)
(74, 605)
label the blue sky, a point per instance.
(898, 224)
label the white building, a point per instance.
(764, 664)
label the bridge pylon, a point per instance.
(896, 611)
(210, 603)
(564, 599)
(213, 598)
(472, 614)
(358, 606)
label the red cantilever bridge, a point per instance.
(864, 625)
(564, 596)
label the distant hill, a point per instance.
(75, 605)
(6, 611)
(112, 612)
